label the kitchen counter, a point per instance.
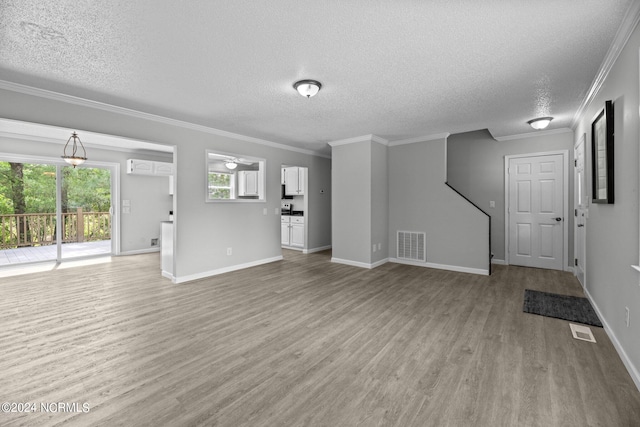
(292, 213)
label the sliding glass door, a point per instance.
(85, 212)
(53, 211)
(27, 212)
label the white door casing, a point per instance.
(536, 211)
(580, 205)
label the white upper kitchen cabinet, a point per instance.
(294, 178)
(149, 167)
(247, 183)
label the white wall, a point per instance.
(612, 231)
(457, 233)
(204, 230)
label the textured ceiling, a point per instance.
(397, 69)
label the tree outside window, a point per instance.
(221, 185)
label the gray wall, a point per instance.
(204, 230)
(612, 232)
(351, 216)
(457, 233)
(149, 196)
(379, 203)
(475, 167)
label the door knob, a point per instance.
(558, 219)
(580, 225)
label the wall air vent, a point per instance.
(412, 245)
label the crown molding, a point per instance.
(629, 23)
(356, 139)
(69, 99)
(419, 139)
(533, 134)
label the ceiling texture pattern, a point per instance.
(397, 69)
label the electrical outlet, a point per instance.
(154, 242)
(626, 309)
(264, 211)
(492, 203)
(229, 251)
(374, 247)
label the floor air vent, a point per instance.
(582, 333)
(412, 246)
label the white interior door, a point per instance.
(580, 204)
(535, 211)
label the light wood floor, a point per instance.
(302, 342)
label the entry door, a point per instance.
(580, 204)
(535, 211)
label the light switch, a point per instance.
(492, 204)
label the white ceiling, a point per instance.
(398, 69)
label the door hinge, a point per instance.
(575, 212)
(575, 163)
(575, 262)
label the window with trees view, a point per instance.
(221, 185)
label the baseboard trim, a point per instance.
(313, 250)
(140, 251)
(456, 268)
(498, 261)
(205, 274)
(633, 371)
(358, 263)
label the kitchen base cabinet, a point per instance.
(285, 232)
(292, 231)
(297, 235)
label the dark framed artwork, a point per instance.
(602, 166)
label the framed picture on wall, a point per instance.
(602, 155)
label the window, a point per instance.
(221, 185)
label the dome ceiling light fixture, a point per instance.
(231, 164)
(307, 88)
(73, 159)
(540, 122)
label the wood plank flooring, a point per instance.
(302, 342)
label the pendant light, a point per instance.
(74, 159)
(307, 88)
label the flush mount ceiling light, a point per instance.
(231, 164)
(307, 88)
(74, 159)
(540, 123)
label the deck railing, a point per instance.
(39, 229)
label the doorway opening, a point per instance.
(294, 203)
(50, 211)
